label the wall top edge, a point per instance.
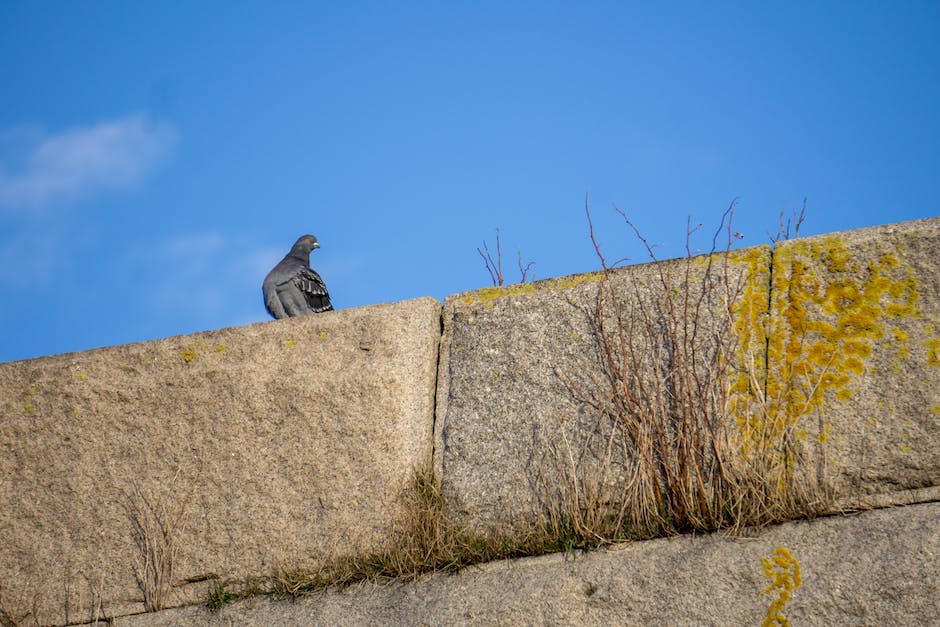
(487, 293)
(331, 317)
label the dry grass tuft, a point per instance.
(156, 525)
(426, 541)
(669, 356)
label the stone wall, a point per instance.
(851, 366)
(244, 450)
(249, 450)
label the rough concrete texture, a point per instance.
(864, 309)
(256, 448)
(521, 366)
(854, 348)
(874, 568)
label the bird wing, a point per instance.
(313, 288)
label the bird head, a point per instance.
(305, 244)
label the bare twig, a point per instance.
(795, 221)
(597, 248)
(523, 271)
(495, 267)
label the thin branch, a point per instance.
(523, 271)
(597, 247)
(495, 268)
(795, 221)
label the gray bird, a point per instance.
(292, 288)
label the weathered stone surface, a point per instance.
(874, 568)
(856, 318)
(272, 445)
(520, 367)
(851, 338)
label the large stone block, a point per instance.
(241, 451)
(833, 394)
(855, 347)
(525, 384)
(875, 568)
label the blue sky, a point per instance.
(156, 159)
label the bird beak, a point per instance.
(316, 245)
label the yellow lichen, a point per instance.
(783, 571)
(190, 353)
(193, 350)
(322, 335)
(81, 376)
(828, 313)
(750, 317)
(933, 351)
(28, 407)
(490, 294)
(578, 279)
(289, 343)
(220, 348)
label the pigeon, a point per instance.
(292, 288)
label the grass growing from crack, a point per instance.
(426, 541)
(221, 595)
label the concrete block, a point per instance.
(840, 337)
(855, 345)
(521, 378)
(243, 450)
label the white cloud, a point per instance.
(81, 161)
